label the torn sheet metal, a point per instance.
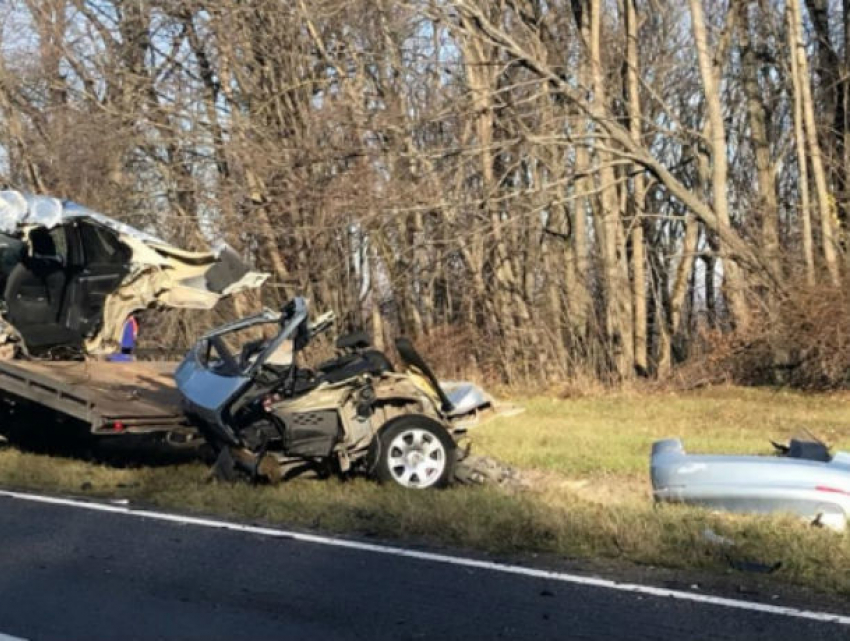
(155, 272)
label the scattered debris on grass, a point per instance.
(712, 537)
(481, 470)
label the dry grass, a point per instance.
(612, 434)
(591, 458)
(803, 343)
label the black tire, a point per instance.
(433, 450)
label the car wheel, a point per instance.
(415, 452)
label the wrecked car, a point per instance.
(70, 276)
(269, 415)
(803, 479)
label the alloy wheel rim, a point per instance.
(416, 458)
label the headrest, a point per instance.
(354, 340)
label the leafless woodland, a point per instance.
(543, 188)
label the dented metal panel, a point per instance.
(158, 273)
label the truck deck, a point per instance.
(112, 397)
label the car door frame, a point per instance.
(89, 280)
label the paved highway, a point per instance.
(69, 572)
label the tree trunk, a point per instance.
(831, 98)
(802, 159)
(825, 206)
(638, 192)
(679, 294)
(618, 313)
(717, 145)
(758, 120)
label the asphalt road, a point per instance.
(68, 573)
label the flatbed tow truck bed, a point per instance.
(111, 397)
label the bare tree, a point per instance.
(541, 189)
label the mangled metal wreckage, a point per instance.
(70, 276)
(270, 416)
(803, 479)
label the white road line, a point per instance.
(434, 558)
(8, 637)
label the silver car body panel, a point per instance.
(208, 389)
(207, 394)
(466, 397)
(759, 484)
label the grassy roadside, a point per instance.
(592, 498)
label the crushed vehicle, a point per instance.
(70, 278)
(803, 479)
(269, 416)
